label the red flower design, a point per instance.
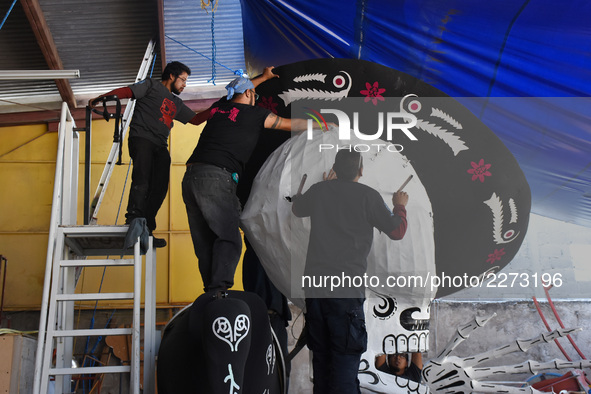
(267, 102)
(373, 93)
(496, 255)
(480, 170)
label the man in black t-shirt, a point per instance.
(213, 172)
(157, 104)
(343, 214)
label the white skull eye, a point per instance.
(414, 106)
(338, 81)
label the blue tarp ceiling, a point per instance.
(528, 62)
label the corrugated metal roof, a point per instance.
(187, 23)
(106, 41)
(19, 50)
(108, 50)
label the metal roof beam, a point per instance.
(37, 117)
(48, 48)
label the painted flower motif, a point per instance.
(267, 102)
(480, 170)
(373, 93)
(496, 255)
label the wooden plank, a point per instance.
(45, 40)
(161, 37)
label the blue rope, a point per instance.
(92, 361)
(153, 64)
(213, 50)
(238, 72)
(8, 13)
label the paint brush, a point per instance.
(405, 183)
(302, 182)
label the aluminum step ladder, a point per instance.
(101, 189)
(73, 245)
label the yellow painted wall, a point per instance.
(27, 167)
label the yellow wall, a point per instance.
(27, 167)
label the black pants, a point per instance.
(213, 211)
(149, 180)
(337, 338)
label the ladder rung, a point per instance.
(96, 263)
(90, 370)
(93, 332)
(94, 296)
(117, 231)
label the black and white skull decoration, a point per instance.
(469, 201)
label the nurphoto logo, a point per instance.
(358, 123)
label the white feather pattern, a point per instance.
(495, 205)
(513, 209)
(452, 140)
(292, 95)
(436, 112)
(310, 77)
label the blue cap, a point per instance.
(239, 85)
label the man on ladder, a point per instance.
(157, 105)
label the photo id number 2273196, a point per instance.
(521, 279)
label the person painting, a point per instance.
(157, 105)
(343, 214)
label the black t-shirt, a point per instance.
(155, 108)
(230, 136)
(343, 215)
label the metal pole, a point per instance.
(87, 163)
(3, 259)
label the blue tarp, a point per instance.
(528, 62)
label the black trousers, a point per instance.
(213, 210)
(149, 180)
(337, 338)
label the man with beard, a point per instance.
(157, 104)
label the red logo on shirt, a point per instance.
(168, 110)
(233, 113)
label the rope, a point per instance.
(213, 50)
(93, 360)
(153, 64)
(10, 10)
(238, 72)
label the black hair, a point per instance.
(347, 164)
(175, 69)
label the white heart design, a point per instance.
(222, 328)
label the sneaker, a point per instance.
(158, 242)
